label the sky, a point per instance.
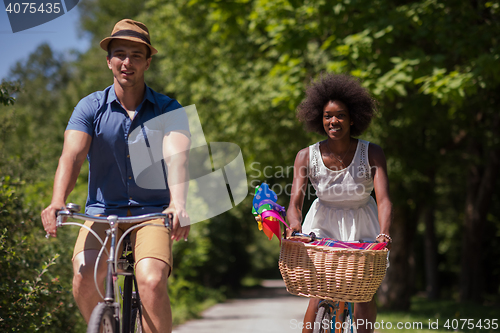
(61, 34)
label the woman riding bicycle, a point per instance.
(343, 171)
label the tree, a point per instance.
(249, 60)
(6, 90)
(433, 66)
(33, 297)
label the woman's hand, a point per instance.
(293, 227)
(383, 238)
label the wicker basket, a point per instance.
(330, 273)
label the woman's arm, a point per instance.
(299, 187)
(378, 164)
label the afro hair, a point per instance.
(337, 87)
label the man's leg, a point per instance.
(152, 275)
(84, 289)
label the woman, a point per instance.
(344, 171)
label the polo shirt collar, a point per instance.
(147, 96)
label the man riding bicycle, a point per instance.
(98, 130)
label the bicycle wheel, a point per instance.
(349, 324)
(136, 321)
(103, 319)
(322, 323)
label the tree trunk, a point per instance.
(430, 245)
(397, 287)
(480, 186)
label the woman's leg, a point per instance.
(367, 312)
(310, 315)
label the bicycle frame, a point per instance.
(111, 295)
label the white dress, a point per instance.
(344, 209)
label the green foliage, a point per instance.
(245, 65)
(429, 63)
(432, 65)
(32, 297)
(33, 128)
(6, 90)
(423, 312)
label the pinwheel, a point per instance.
(271, 214)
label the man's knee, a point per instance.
(83, 269)
(152, 275)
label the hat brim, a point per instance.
(105, 43)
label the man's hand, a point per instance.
(49, 218)
(179, 216)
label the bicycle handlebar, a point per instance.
(312, 236)
(72, 211)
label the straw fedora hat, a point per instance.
(129, 30)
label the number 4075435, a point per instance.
(32, 8)
(460, 324)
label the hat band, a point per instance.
(131, 33)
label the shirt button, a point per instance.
(129, 177)
(128, 156)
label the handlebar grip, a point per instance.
(169, 220)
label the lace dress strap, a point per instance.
(364, 164)
(314, 161)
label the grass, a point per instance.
(427, 316)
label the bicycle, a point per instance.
(332, 315)
(106, 316)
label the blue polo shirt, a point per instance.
(112, 187)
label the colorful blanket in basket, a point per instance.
(346, 245)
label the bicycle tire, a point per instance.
(102, 317)
(349, 323)
(136, 321)
(322, 318)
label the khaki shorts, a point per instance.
(147, 242)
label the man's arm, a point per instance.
(75, 149)
(176, 145)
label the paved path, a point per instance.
(267, 309)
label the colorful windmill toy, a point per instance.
(271, 214)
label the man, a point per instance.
(99, 129)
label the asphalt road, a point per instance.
(261, 310)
